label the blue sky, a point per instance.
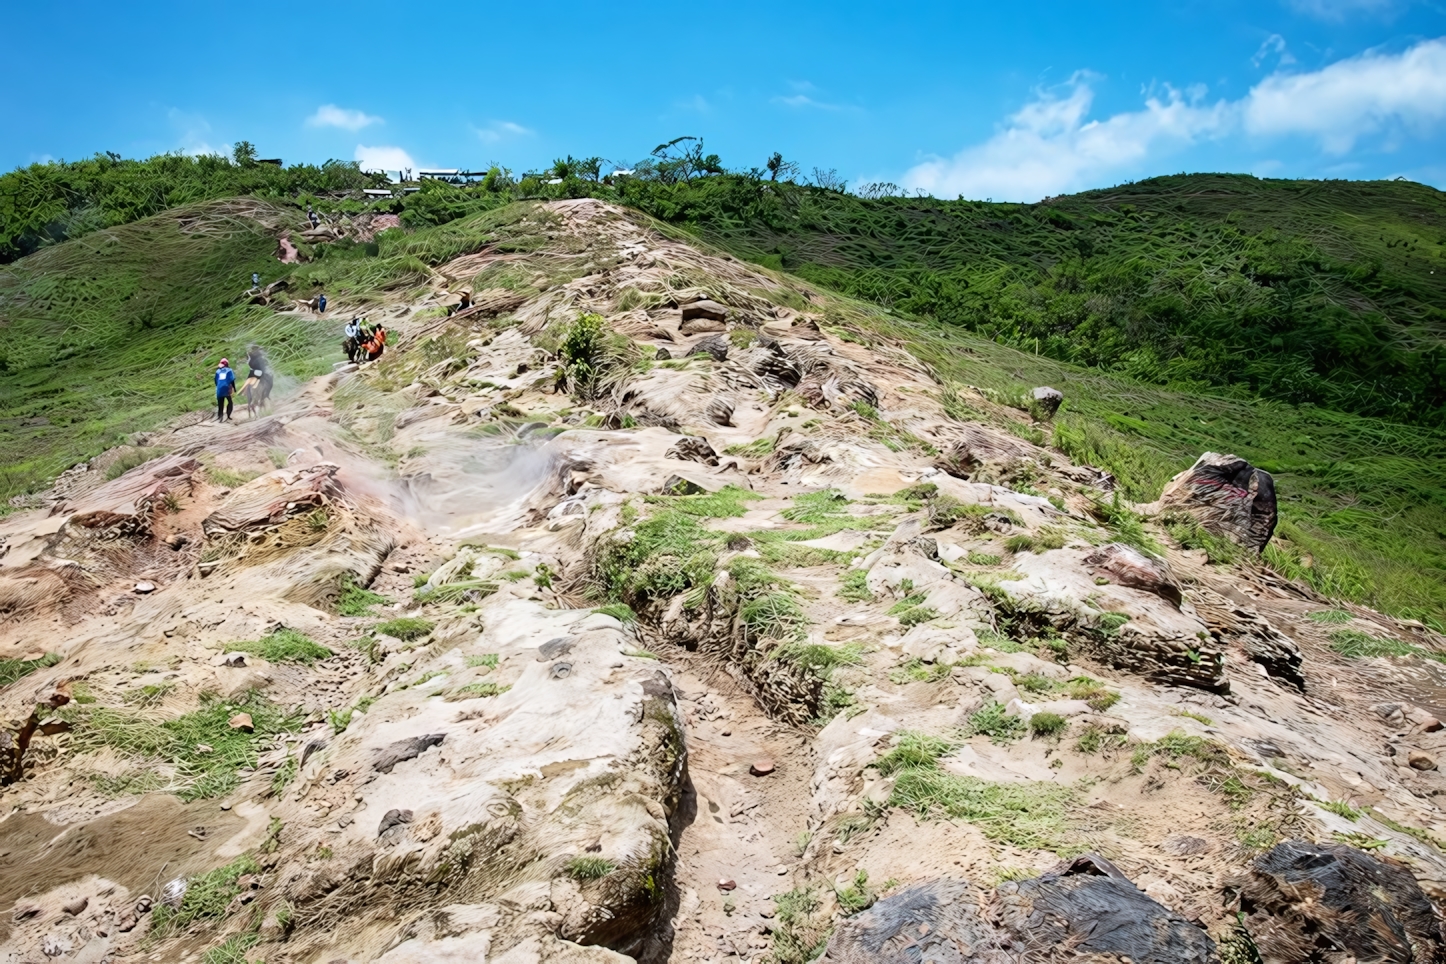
(1013, 100)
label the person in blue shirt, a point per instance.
(225, 388)
(321, 304)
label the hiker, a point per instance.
(255, 280)
(259, 380)
(377, 343)
(321, 304)
(225, 388)
(311, 216)
(351, 343)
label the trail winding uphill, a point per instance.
(658, 609)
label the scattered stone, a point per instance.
(554, 648)
(145, 587)
(403, 750)
(76, 906)
(1228, 496)
(1420, 761)
(958, 460)
(242, 721)
(204, 748)
(1046, 402)
(1429, 725)
(1390, 712)
(226, 806)
(727, 732)
(693, 448)
(394, 818)
(720, 410)
(1130, 567)
(727, 883)
(698, 326)
(662, 354)
(705, 308)
(560, 670)
(715, 346)
(1185, 846)
(761, 768)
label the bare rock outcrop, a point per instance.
(1228, 496)
(1084, 910)
(1304, 901)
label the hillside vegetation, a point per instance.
(44, 204)
(1297, 324)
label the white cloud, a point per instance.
(330, 115)
(1341, 9)
(1051, 146)
(193, 134)
(803, 100)
(383, 158)
(801, 97)
(1274, 44)
(501, 131)
(1354, 97)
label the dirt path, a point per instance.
(738, 826)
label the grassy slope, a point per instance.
(120, 330)
(1364, 506)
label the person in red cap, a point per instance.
(225, 388)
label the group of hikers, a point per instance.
(256, 389)
(363, 342)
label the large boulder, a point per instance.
(1085, 910)
(1228, 496)
(1305, 901)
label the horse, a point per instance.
(257, 392)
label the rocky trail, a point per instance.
(656, 608)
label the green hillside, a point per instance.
(1295, 323)
(1324, 292)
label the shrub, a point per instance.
(1047, 724)
(357, 600)
(405, 628)
(207, 897)
(590, 868)
(283, 646)
(991, 721)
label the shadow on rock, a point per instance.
(1084, 910)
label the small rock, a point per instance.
(1420, 761)
(554, 648)
(145, 587)
(662, 354)
(76, 906)
(225, 806)
(204, 748)
(727, 883)
(705, 308)
(761, 768)
(727, 732)
(1430, 725)
(1389, 711)
(720, 410)
(393, 818)
(242, 721)
(1047, 400)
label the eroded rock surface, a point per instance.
(743, 640)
